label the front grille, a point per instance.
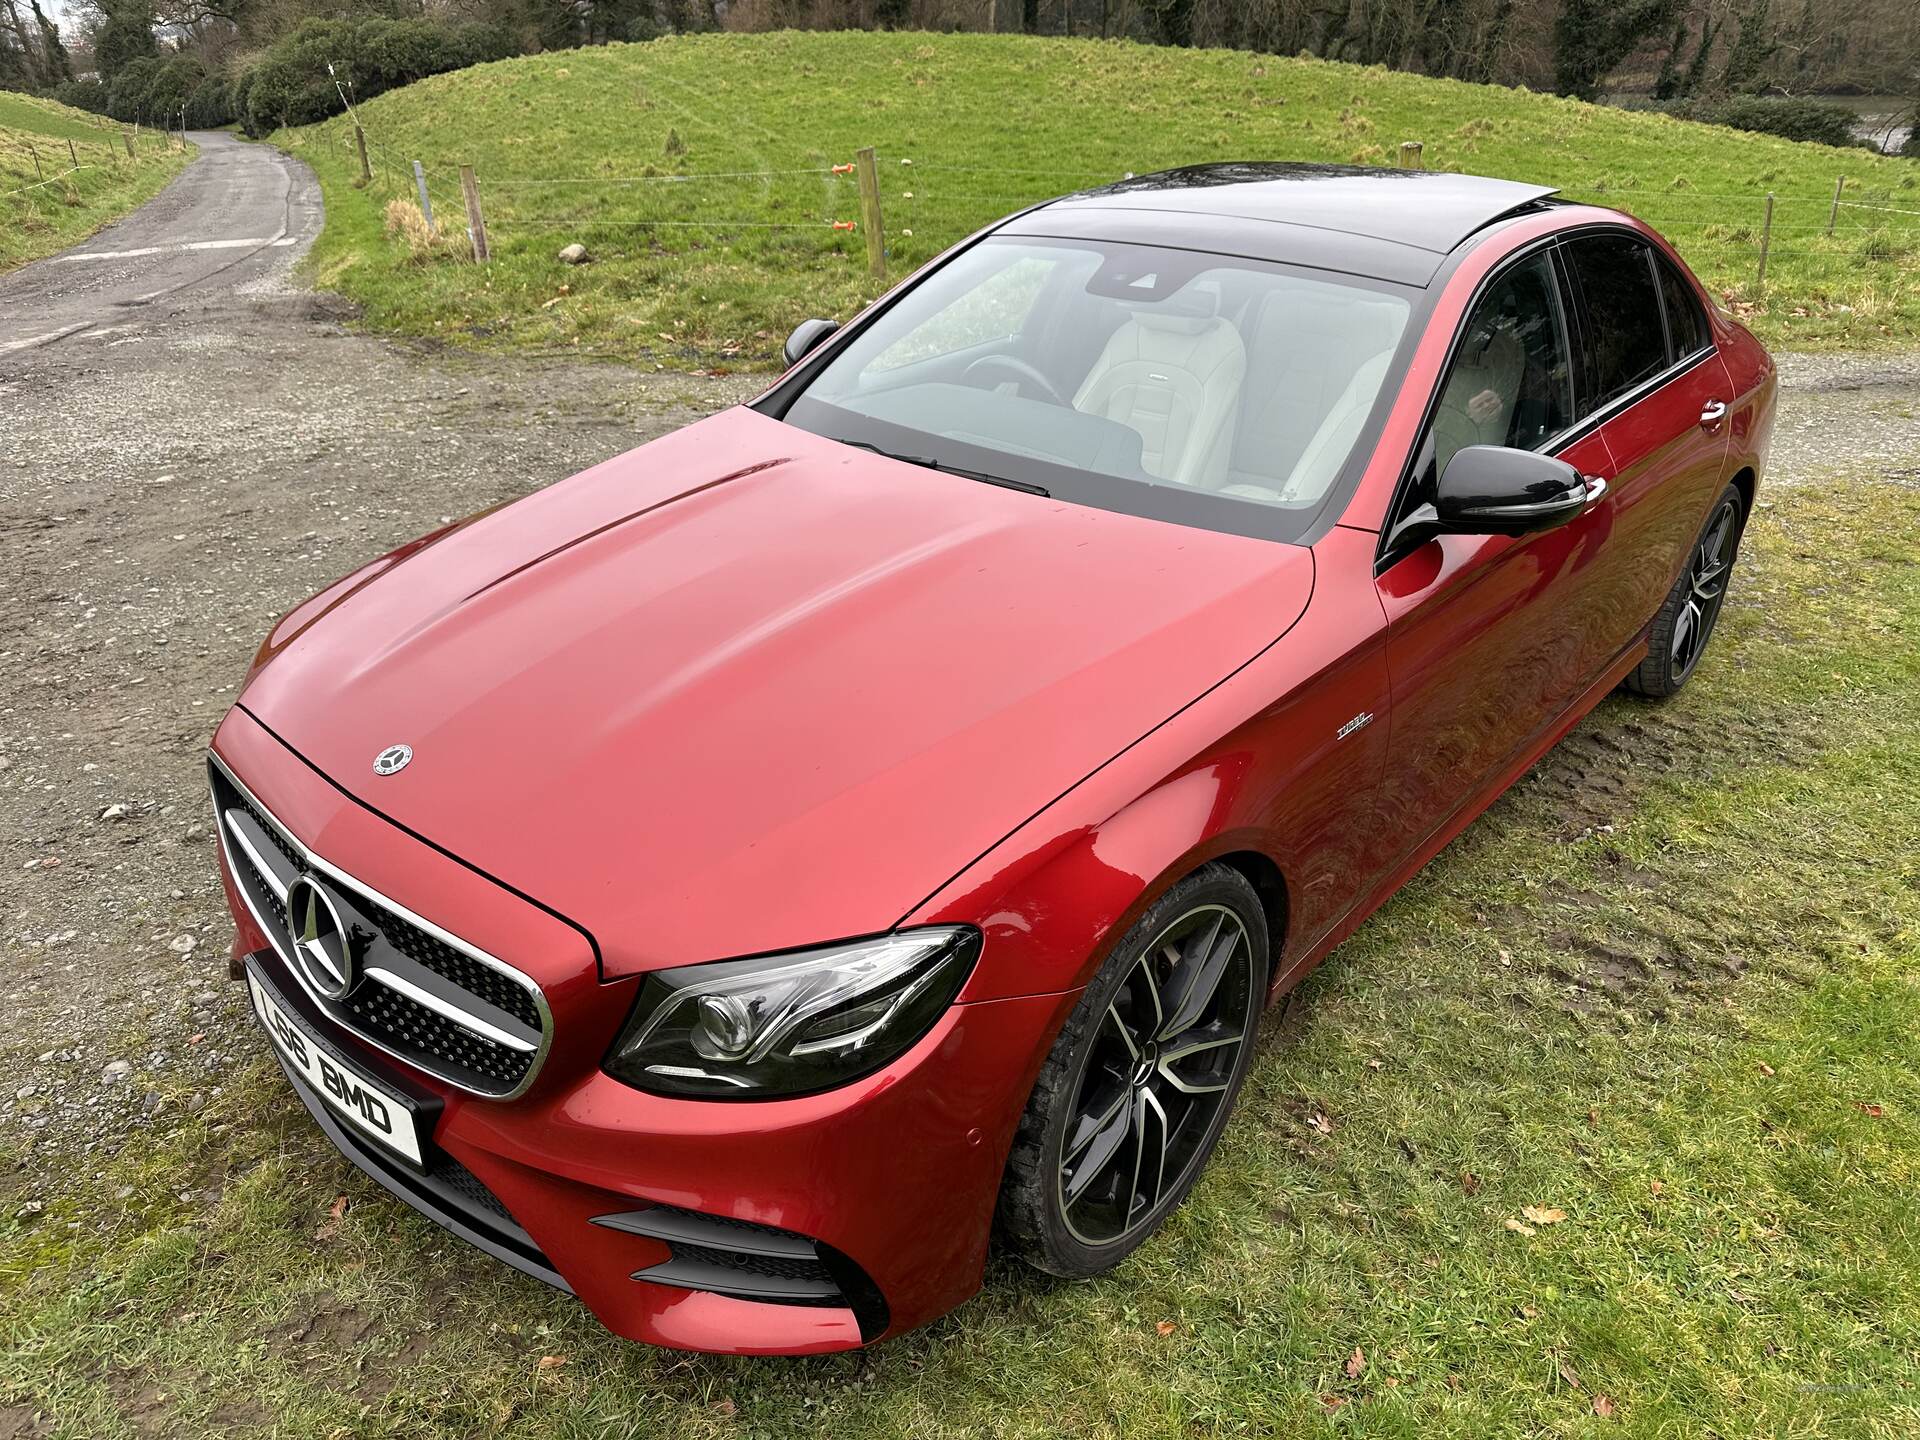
(440, 1005)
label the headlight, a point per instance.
(790, 1024)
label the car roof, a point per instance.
(1392, 224)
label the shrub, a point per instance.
(289, 83)
(1817, 120)
(82, 95)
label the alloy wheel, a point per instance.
(1706, 589)
(1157, 1076)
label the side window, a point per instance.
(1511, 382)
(1626, 343)
(1686, 324)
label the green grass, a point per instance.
(1670, 984)
(575, 145)
(46, 202)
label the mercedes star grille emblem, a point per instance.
(392, 760)
(321, 939)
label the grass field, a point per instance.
(713, 270)
(1669, 985)
(47, 202)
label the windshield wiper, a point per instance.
(1024, 486)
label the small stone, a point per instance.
(116, 1071)
(25, 1092)
(45, 1057)
(182, 943)
(575, 254)
(114, 812)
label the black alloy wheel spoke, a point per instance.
(1157, 1074)
(1707, 570)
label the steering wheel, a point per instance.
(1011, 367)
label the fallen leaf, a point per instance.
(1165, 1328)
(1567, 1374)
(1506, 957)
(723, 1406)
(1517, 1227)
(552, 1362)
(1320, 1123)
(1333, 1402)
(1868, 1107)
(1656, 1187)
(1593, 1119)
(1356, 1363)
(196, 1037)
(1602, 1406)
(1469, 1182)
(1540, 1216)
(338, 1208)
(1527, 1312)
(1373, 1064)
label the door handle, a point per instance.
(1711, 414)
(1596, 489)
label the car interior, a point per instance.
(1174, 369)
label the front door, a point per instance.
(1486, 642)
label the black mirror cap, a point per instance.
(806, 335)
(1493, 490)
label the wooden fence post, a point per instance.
(73, 154)
(1410, 155)
(360, 144)
(476, 223)
(426, 200)
(127, 135)
(1766, 244)
(1833, 214)
(870, 213)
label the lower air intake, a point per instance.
(737, 1258)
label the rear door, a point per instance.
(1653, 385)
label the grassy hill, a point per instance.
(47, 201)
(713, 269)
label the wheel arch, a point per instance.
(1747, 483)
(1063, 910)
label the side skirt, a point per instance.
(1469, 811)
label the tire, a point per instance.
(1685, 623)
(1089, 1118)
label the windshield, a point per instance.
(1204, 389)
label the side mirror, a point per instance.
(1492, 490)
(806, 335)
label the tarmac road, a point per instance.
(238, 215)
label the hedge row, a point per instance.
(288, 84)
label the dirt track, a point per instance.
(175, 473)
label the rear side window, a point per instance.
(1626, 343)
(1686, 324)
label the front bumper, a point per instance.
(893, 1177)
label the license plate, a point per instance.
(370, 1109)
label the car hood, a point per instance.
(744, 688)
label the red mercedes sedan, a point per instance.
(741, 882)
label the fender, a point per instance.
(1280, 763)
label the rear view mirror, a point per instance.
(1492, 490)
(806, 335)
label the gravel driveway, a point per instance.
(174, 474)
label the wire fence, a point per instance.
(1732, 237)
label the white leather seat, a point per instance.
(1172, 373)
(1319, 355)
